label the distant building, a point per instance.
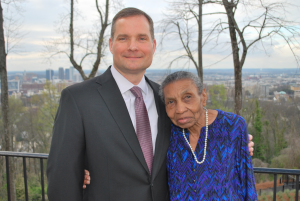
(27, 77)
(61, 73)
(49, 74)
(281, 94)
(77, 78)
(13, 86)
(33, 86)
(264, 91)
(295, 88)
(67, 74)
(34, 79)
(72, 73)
(297, 94)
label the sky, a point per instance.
(40, 19)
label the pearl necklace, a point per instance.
(205, 144)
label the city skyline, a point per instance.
(29, 54)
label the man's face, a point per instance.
(132, 46)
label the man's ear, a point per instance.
(154, 45)
(110, 42)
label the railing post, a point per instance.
(275, 186)
(7, 178)
(25, 178)
(42, 179)
(297, 187)
(293, 182)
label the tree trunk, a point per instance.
(236, 59)
(200, 36)
(4, 103)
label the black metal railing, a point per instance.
(24, 155)
(279, 171)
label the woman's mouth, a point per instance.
(183, 120)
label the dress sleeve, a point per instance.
(244, 164)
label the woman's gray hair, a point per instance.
(180, 75)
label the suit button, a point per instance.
(151, 185)
(195, 191)
(194, 180)
(194, 170)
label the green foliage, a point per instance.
(218, 97)
(258, 137)
(34, 187)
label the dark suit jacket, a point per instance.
(93, 127)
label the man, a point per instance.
(119, 132)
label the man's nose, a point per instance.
(133, 45)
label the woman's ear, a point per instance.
(204, 97)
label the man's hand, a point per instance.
(251, 144)
(87, 178)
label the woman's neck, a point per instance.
(196, 128)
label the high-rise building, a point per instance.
(61, 74)
(72, 73)
(67, 74)
(49, 74)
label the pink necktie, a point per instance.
(143, 130)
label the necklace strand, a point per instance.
(205, 144)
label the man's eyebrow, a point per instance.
(122, 35)
(143, 35)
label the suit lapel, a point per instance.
(162, 133)
(114, 101)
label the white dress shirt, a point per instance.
(148, 96)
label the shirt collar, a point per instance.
(124, 85)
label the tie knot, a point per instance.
(136, 91)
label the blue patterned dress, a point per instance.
(227, 172)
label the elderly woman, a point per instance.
(208, 157)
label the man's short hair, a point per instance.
(129, 12)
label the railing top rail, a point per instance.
(276, 171)
(23, 154)
(256, 169)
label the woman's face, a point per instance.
(184, 104)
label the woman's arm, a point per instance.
(244, 160)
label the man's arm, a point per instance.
(87, 178)
(66, 157)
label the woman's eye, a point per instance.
(170, 102)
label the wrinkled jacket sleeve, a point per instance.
(66, 158)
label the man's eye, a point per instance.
(143, 38)
(122, 38)
(188, 97)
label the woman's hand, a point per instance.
(87, 178)
(251, 145)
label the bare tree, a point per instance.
(12, 31)
(10, 38)
(184, 19)
(272, 22)
(85, 45)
